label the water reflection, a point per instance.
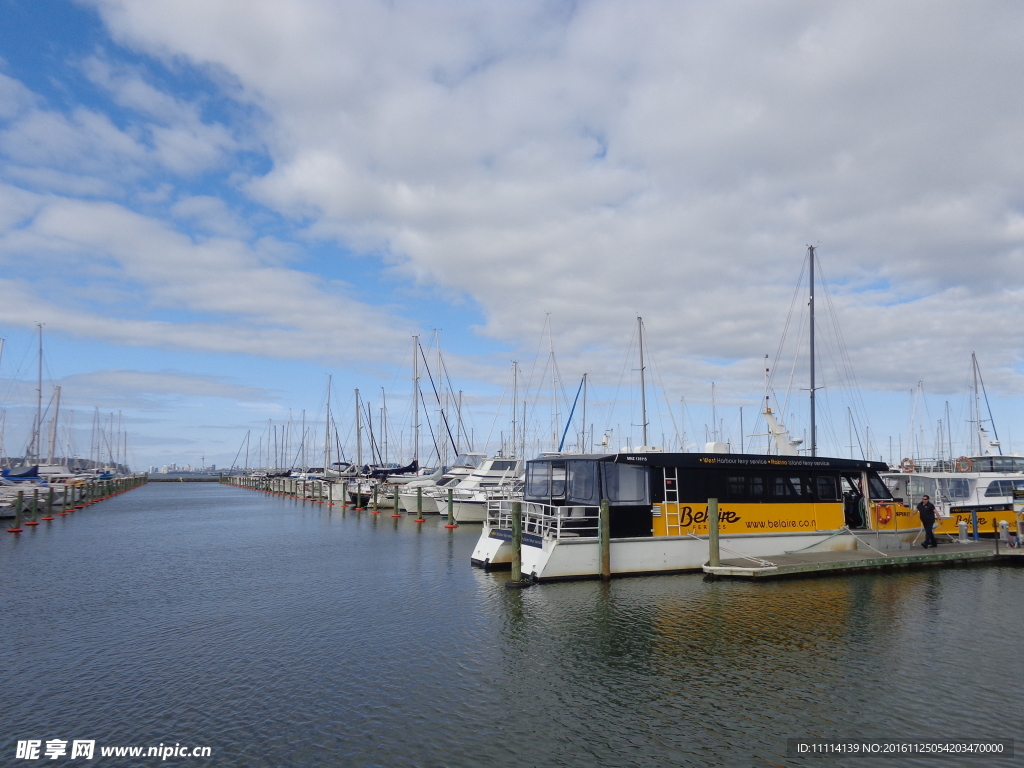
(286, 634)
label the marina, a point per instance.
(283, 634)
(529, 385)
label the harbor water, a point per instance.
(282, 634)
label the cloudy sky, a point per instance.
(213, 205)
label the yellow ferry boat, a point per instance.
(768, 505)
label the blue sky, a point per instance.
(212, 206)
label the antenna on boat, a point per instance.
(985, 445)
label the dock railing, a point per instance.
(546, 520)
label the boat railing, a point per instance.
(545, 520)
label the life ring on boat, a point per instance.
(883, 513)
(964, 464)
(907, 465)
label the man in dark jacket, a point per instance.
(926, 510)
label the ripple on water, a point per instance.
(286, 635)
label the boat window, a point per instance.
(557, 478)
(878, 488)
(538, 480)
(583, 483)
(1000, 488)
(503, 466)
(625, 484)
(693, 486)
(920, 486)
(790, 487)
(735, 488)
(981, 464)
(757, 487)
(827, 488)
(954, 487)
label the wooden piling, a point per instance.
(35, 508)
(49, 504)
(605, 534)
(17, 513)
(451, 510)
(517, 540)
(714, 558)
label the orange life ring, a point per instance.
(907, 465)
(883, 513)
(964, 464)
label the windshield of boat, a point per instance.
(469, 460)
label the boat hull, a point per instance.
(545, 559)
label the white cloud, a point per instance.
(15, 98)
(210, 214)
(599, 160)
(232, 299)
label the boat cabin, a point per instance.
(665, 494)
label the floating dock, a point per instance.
(828, 562)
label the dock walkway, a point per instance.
(811, 563)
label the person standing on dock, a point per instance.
(926, 510)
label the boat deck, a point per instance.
(814, 563)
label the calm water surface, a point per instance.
(286, 635)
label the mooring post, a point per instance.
(374, 508)
(17, 513)
(419, 507)
(605, 538)
(35, 508)
(974, 524)
(451, 510)
(995, 532)
(49, 504)
(517, 540)
(713, 553)
(64, 501)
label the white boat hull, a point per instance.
(547, 559)
(469, 511)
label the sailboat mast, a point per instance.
(53, 426)
(416, 401)
(643, 389)
(359, 434)
(327, 428)
(515, 405)
(554, 389)
(814, 431)
(384, 423)
(583, 418)
(36, 440)
(977, 402)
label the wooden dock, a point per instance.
(828, 562)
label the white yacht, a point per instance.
(469, 497)
(433, 487)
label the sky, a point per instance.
(214, 208)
